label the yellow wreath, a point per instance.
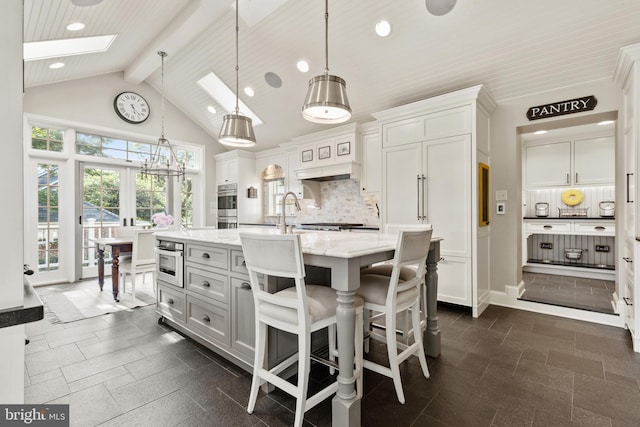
(572, 197)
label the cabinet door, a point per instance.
(548, 165)
(448, 192)
(243, 322)
(595, 161)
(371, 182)
(226, 171)
(293, 163)
(402, 189)
(454, 280)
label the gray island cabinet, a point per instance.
(216, 307)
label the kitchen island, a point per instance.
(215, 307)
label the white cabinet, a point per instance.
(239, 167)
(430, 160)
(548, 165)
(577, 162)
(627, 76)
(594, 161)
(227, 171)
(291, 182)
(371, 180)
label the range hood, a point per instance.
(347, 170)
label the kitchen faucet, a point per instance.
(283, 224)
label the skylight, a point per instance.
(66, 47)
(220, 92)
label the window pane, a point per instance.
(114, 154)
(55, 135)
(87, 139)
(114, 143)
(55, 146)
(39, 144)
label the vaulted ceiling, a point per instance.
(513, 47)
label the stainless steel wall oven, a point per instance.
(228, 206)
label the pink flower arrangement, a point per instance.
(161, 219)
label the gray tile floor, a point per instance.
(506, 368)
(569, 291)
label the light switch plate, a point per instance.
(501, 195)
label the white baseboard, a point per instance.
(509, 298)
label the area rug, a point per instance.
(70, 302)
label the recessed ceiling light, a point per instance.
(605, 122)
(75, 26)
(211, 109)
(249, 91)
(56, 65)
(303, 66)
(540, 132)
(66, 47)
(224, 97)
(383, 28)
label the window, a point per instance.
(274, 190)
(132, 151)
(46, 139)
(48, 212)
(186, 202)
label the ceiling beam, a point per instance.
(189, 23)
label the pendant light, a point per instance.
(163, 161)
(237, 130)
(326, 100)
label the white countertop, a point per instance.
(328, 243)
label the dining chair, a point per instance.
(142, 260)
(300, 310)
(398, 292)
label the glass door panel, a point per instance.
(150, 198)
(102, 194)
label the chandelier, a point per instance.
(164, 161)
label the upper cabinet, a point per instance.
(576, 162)
(371, 179)
(227, 171)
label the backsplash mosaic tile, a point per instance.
(341, 202)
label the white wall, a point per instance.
(11, 289)
(506, 170)
(90, 101)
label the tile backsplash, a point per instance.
(592, 197)
(341, 202)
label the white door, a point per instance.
(548, 165)
(448, 198)
(595, 161)
(402, 191)
(48, 220)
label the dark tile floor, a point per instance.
(569, 291)
(506, 368)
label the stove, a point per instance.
(329, 226)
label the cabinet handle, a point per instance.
(547, 227)
(244, 263)
(418, 196)
(363, 189)
(576, 177)
(124, 222)
(627, 300)
(628, 198)
(424, 178)
(170, 301)
(205, 255)
(627, 259)
(206, 318)
(206, 284)
(245, 285)
(568, 179)
(598, 227)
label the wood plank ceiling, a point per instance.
(513, 47)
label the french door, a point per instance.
(113, 196)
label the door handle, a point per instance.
(418, 196)
(131, 222)
(124, 222)
(628, 198)
(576, 177)
(80, 220)
(423, 200)
(568, 179)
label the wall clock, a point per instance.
(131, 107)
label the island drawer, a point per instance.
(210, 320)
(238, 264)
(207, 283)
(171, 302)
(207, 255)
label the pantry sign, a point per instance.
(561, 108)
